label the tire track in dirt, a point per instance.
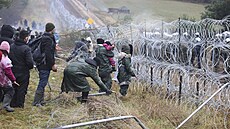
(84, 12)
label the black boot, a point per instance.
(84, 97)
(38, 99)
(6, 103)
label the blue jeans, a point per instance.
(43, 80)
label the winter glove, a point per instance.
(108, 92)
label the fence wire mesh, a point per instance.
(184, 61)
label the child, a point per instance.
(109, 47)
(6, 77)
(125, 71)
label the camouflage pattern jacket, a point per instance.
(103, 55)
(125, 71)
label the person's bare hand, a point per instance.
(54, 68)
(15, 83)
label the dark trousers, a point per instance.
(20, 91)
(1, 95)
(196, 53)
(84, 97)
(43, 80)
(124, 89)
(7, 90)
(106, 79)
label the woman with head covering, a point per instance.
(6, 77)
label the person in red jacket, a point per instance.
(6, 77)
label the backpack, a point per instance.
(33, 44)
(39, 57)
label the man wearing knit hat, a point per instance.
(50, 27)
(105, 68)
(22, 61)
(48, 47)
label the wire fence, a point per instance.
(183, 61)
(169, 59)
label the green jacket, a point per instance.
(103, 55)
(75, 77)
(125, 71)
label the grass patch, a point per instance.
(149, 10)
(151, 108)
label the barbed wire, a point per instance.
(168, 57)
(184, 61)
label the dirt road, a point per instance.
(77, 6)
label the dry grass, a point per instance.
(153, 110)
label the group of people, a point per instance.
(99, 69)
(16, 61)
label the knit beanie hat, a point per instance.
(100, 41)
(23, 34)
(7, 31)
(5, 46)
(49, 27)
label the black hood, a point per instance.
(7, 31)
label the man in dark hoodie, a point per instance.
(7, 33)
(48, 47)
(22, 61)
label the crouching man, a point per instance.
(75, 74)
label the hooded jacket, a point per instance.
(75, 76)
(125, 71)
(102, 54)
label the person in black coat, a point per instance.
(7, 33)
(22, 61)
(48, 47)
